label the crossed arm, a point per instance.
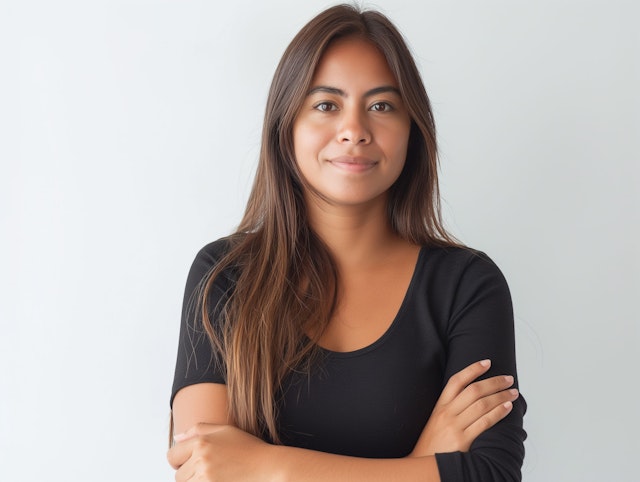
(209, 448)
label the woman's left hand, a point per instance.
(209, 452)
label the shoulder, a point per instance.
(207, 259)
(458, 262)
(457, 276)
(210, 254)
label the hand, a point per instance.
(209, 452)
(465, 410)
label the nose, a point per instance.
(354, 128)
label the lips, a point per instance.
(353, 163)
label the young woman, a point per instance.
(341, 333)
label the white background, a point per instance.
(129, 133)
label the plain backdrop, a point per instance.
(129, 132)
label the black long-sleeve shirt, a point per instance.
(375, 401)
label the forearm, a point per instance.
(302, 465)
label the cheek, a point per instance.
(396, 143)
(304, 151)
(404, 144)
(397, 147)
(300, 139)
(308, 142)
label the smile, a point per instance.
(353, 163)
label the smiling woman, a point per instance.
(352, 132)
(341, 333)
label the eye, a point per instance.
(325, 106)
(381, 107)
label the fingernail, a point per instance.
(507, 405)
(514, 392)
(485, 363)
(508, 379)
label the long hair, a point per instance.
(285, 280)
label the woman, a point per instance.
(341, 333)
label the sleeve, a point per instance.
(197, 362)
(480, 327)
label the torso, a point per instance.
(374, 401)
(369, 300)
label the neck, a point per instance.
(355, 235)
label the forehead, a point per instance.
(353, 61)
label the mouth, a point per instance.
(353, 163)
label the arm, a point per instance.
(227, 450)
(223, 452)
(309, 466)
(479, 324)
(200, 403)
(229, 454)
(218, 451)
(465, 410)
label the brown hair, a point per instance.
(285, 279)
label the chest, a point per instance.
(372, 402)
(367, 305)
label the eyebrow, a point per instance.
(333, 90)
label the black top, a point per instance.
(375, 401)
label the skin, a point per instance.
(351, 134)
(350, 139)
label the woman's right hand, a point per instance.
(465, 410)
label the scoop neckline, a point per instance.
(396, 319)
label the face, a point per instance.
(351, 134)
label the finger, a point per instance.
(485, 405)
(187, 471)
(479, 390)
(179, 454)
(460, 380)
(488, 420)
(201, 428)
